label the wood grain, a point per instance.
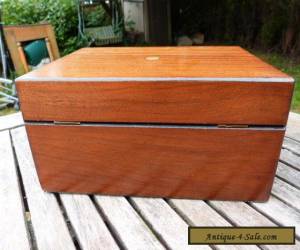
(200, 214)
(290, 158)
(89, 227)
(165, 222)
(287, 193)
(280, 212)
(291, 145)
(11, 121)
(13, 231)
(289, 174)
(293, 128)
(241, 214)
(47, 220)
(203, 163)
(129, 227)
(201, 61)
(157, 102)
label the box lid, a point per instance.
(205, 63)
(166, 85)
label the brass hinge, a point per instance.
(232, 126)
(66, 123)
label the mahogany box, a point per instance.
(185, 122)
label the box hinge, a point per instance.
(232, 126)
(66, 123)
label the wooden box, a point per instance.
(187, 122)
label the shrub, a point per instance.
(96, 17)
(62, 14)
(266, 24)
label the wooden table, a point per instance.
(33, 219)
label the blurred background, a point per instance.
(268, 28)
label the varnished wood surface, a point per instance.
(173, 102)
(133, 223)
(132, 62)
(203, 163)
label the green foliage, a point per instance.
(62, 14)
(274, 21)
(251, 23)
(96, 17)
(291, 67)
(7, 111)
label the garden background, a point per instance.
(268, 28)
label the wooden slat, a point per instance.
(292, 145)
(49, 227)
(293, 128)
(11, 121)
(129, 227)
(198, 213)
(23, 57)
(87, 223)
(52, 39)
(156, 102)
(287, 193)
(149, 160)
(280, 212)
(290, 158)
(27, 32)
(289, 174)
(13, 232)
(165, 222)
(241, 214)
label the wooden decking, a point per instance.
(33, 219)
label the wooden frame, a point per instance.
(16, 34)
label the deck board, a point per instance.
(288, 174)
(241, 214)
(291, 145)
(290, 158)
(87, 223)
(280, 212)
(128, 225)
(293, 128)
(70, 221)
(49, 227)
(11, 121)
(13, 231)
(199, 213)
(286, 193)
(165, 222)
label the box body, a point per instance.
(204, 122)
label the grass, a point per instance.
(7, 111)
(290, 67)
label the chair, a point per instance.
(18, 35)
